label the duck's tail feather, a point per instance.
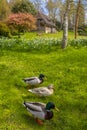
(24, 80)
(24, 104)
(30, 90)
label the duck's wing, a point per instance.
(44, 91)
(29, 79)
(40, 91)
(32, 80)
(35, 106)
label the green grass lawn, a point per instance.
(66, 69)
(33, 35)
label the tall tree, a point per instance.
(53, 8)
(4, 9)
(65, 24)
(80, 15)
(71, 15)
(77, 18)
(39, 5)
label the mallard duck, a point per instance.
(43, 91)
(40, 110)
(33, 81)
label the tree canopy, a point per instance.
(23, 6)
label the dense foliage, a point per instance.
(38, 44)
(23, 6)
(4, 9)
(82, 30)
(4, 30)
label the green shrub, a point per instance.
(4, 30)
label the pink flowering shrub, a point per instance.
(22, 22)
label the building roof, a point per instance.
(46, 19)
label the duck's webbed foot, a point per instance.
(28, 86)
(39, 121)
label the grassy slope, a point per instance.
(67, 70)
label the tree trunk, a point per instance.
(77, 18)
(65, 25)
(65, 31)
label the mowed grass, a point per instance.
(59, 35)
(66, 69)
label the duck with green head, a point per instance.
(40, 110)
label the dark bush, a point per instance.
(13, 30)
(4, 30)
(58, 25)
(82, 30)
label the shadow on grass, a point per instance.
(30, 120)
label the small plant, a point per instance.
(78, 43)
(30, 45)
(41, 44)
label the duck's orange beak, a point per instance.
(45, 78)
